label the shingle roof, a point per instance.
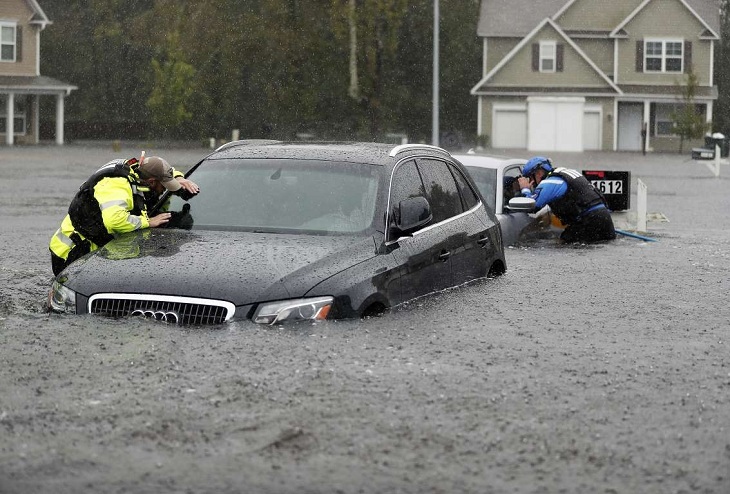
(516, 18)
(33, 84)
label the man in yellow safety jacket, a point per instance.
(112, 201)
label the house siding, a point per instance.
(577, 71)
(600, 51)
(676, 23)
(606, 105)
(498, 48)
(20, 13)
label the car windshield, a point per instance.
(283, 196)
(486, 181)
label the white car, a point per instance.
(490, 174)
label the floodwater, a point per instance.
(583, 369)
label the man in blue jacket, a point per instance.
(571, 198)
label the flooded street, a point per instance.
(583, 369)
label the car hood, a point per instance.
(239, 267)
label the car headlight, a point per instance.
(293, 310)
(61, 299)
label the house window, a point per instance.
(664, 124)
(547, 56)
(663, 55)
(7, 42)
(19, 120)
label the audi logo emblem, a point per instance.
(159, 315)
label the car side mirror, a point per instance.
(521, 205)
(412, 214)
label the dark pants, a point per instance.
(80, 249)
(595, 226)
(57, 264)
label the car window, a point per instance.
(486, 181)
(510, 187)
(441, 190)
(406, 184)
(284, 196)
(468, 196)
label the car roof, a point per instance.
(486, 161)
(357, 152)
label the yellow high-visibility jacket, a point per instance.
(115, 196)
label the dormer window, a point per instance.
(7, 41)
(663, 55)
(547, 56)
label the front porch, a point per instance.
(20, 107)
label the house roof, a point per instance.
(516, 18)
(671, 92)
(34, 85)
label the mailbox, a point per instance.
(615, 187)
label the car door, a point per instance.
(425, 255)
(478, 222)
(513, 223)
(466, 233)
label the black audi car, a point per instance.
(285, 231)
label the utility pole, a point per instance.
(435, 123)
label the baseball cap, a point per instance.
(157, 168)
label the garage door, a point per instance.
(591, 130)
(555, 123)
(509, 128)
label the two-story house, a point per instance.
(575, 75)
(21, 82)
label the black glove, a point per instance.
(181, 219)
(184, 194)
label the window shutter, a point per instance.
(535, 57)
(687, 56)
(640, 55)
(18, 43)
(559, 57)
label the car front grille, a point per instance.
(174, 310)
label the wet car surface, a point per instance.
(291, 231)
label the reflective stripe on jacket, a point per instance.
(115, 198)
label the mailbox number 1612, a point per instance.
(609, 186)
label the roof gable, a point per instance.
(581, 14)
(620, 30)
(525, 42)
(39, 17)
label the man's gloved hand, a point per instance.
(185, 194)
(181, 219)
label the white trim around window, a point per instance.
(664, 55)
(8, 34)
(548, 56)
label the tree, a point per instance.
(689, 120)
(173, 88)
(721, 113)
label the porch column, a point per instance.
(59, 119)
(35, 118)
(709, 114)
(10, 119)
(645, 127)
